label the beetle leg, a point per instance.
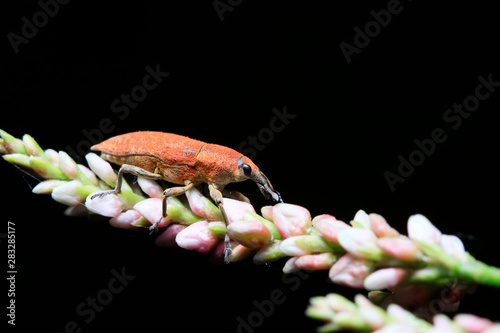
(172, 191)
(216, 195)
(127, 168)
(235, 195)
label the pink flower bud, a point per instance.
(384, 278)
(362, 218)
(443, 324)
(340, 304)
(399, 247)
(11, 144)
(79, 210)
(126, 220)
(380, 226)
(373, 315)
(453, 246)
(291, 220)
(316, 261)
(269, 253)
(108, 205)
(52, 155)
(359, 242)
(67, 165)
(151, 209)
(197, 237)
(90, 175)
(67, 194)
(304, 244)
(167, 238)
(328, 226)
(400, 315)
(239, 253)
(252, 234)
(349, 271)
(47, 186)
(290, 266)
(150, 187)
(420, 228)
(236, 210)
(472, 323)
(101, 168)
(32, 146)
(267, 212)
(202, 206)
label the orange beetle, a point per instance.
(181, 160)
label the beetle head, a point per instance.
(248, 170)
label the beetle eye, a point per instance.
(247, 170)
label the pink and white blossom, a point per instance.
(349, 271)
(420, 228)
(197, 237)
(290, 220)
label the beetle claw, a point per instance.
(154, 228)
(101, 194)
(227, 249)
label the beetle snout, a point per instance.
(266, 188)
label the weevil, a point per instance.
(182, 161)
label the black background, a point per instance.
(352, 122)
